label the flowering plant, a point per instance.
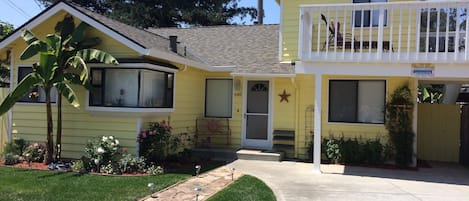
(103, 151)
(34, 152)
(154, 141)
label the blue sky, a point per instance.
(18, 12)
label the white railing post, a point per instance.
(301, 34)
(466, 39)
(380, 32)
(456, 40)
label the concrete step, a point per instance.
(284, 133)
(281, 137)
(251, 154)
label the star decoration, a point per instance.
(284, 96)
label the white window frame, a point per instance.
(133, 111)
(371, 20)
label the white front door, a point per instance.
(257, 110)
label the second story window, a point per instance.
(368, 16)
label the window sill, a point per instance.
(355, 124)
(129, 112)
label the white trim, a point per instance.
(262, 75)
(137, 143)
(317, 123)
(135, 66)
(269, 140)
(129, 112)
(358, 69)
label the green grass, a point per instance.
(25, 184)
(246, 188)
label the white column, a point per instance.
(317, 124)
(414, 122)
(139, 128)
(10, 112)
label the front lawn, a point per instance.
(246, 188)
(25, 184)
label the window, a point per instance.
(368, 16)
(37, 94)
(356, 101)
(136, 88)
(218, 98)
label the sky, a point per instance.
(17, 12)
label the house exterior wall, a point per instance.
(290, 26)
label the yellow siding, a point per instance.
(438, 132)
(290, 27)
(29, 120)
(305, 114)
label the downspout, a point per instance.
(10, 113)
(297, 115)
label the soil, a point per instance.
(35, 166)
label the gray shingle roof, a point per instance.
(251, 49)
(141, 37)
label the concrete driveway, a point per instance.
(296, 182)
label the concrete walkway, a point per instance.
(296, 182)
(209, 183)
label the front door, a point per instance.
(257, 115)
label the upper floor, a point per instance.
(374, 31)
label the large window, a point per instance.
(119, 87)
(37, 94)
(218, 98)
(368, 16)
(357, 101)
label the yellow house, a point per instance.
(327, 69)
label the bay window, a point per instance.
(131, 88)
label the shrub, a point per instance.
(132, 164)
(155, 170)
(11, 159)
(374, 152)
(34, 152)
(155, 141)
(333, 151)
(78, 166)
(102, 151)
(352, 151)
(15, 147)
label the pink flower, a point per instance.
(36, 144)
(144, 135)
(125, 149)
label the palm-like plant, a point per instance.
(60, 65)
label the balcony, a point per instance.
(394, 32)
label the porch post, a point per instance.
(317, 123)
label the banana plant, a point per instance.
(60, 65)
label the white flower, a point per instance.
(104, 138)
(111, 137)
(96, 161)
(117, 142)
(100, 150)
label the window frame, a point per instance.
(134, 111)
(371, 19)
(22, 102)
(357, 103)
(232, 97)
(124, 67)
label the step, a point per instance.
(282, 137)
(251, 154)
(224, 154)
(285, 142)
(290, 133)
(283, 147)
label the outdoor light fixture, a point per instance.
(197, 170)
(232, 174)
(151, 189)
(197, 190)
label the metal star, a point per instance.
(284, 96)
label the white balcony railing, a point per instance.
(385, 32)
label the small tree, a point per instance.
(47, 74)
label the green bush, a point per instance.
(15, 147)
(353, 151)
(333, 150)
(374, 152)
(155, 170)
(132, 164)
(34, 152)
(104, 151)
(11, 159)
(155, 141)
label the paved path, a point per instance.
(292, 181)
(209, 182)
